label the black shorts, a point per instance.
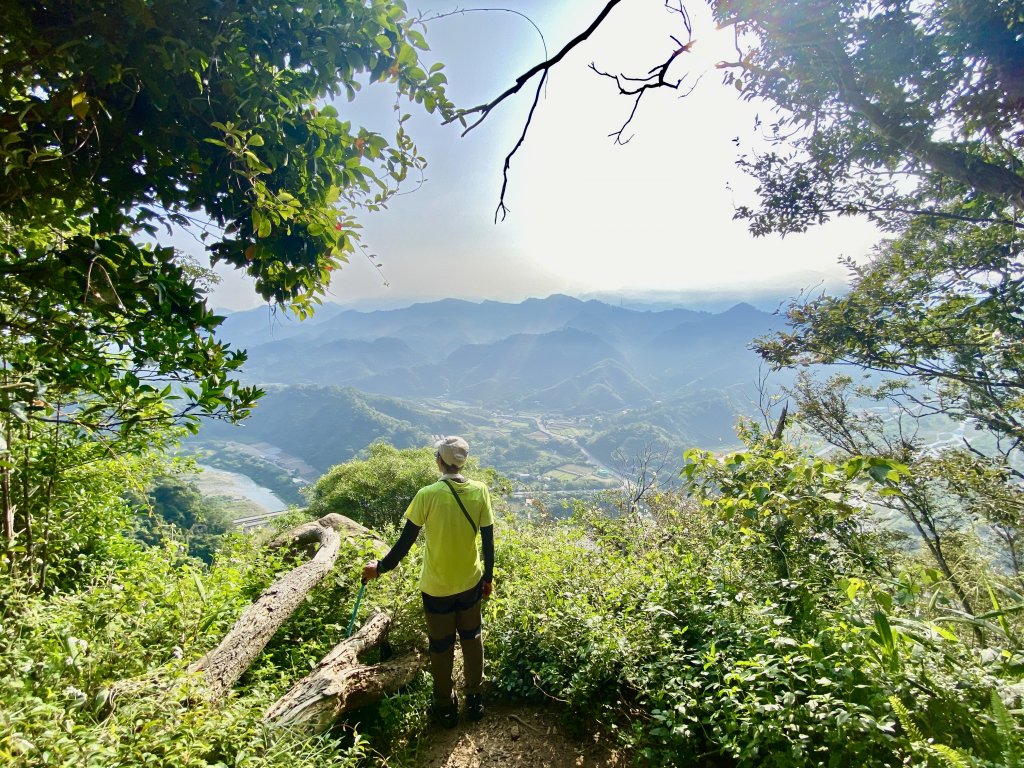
(453, 603)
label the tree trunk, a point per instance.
(5, 494)
(222, 666)
(308, 534)
(933, 540)
(340, 683)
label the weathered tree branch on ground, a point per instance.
(308, 534)
(341, 683)
(349, 684)
(222, 666)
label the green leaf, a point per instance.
(853, 586)
(880, 473)
(943, 632)
(420, 42)
(199, 587)
(80, 105)
(406, 56)
(885, 634)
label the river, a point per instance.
(218, 482)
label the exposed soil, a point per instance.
(514, 737)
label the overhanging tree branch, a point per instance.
(483, 110)
(986, 177)
(946, 158)
(657, 77)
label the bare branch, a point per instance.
(485, 109)
(502, 209)
(656, 78)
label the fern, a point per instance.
(1007, 732)
(907, 721)
(949, 757)
(946, 755)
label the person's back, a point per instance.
(451, 562)
(453, 579)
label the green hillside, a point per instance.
(324, 426)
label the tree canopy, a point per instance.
(376, 491)
(123, 125)
(888, 110)
(122, 122)
(911, 114)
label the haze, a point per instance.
(650, 219)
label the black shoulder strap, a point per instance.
(461, 505)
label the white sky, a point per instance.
(585, 215)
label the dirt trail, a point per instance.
(513, 737)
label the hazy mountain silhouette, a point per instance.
(334, 362)
(554, 353)
(607, 386)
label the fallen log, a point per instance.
(340, 682)
(307, 535)
(236, 652)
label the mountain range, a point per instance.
(556, 354)
(608, 380)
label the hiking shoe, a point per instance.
(475, 706)
(446, 715)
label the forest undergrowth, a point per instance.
(759, 620)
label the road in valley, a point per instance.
(591, 458)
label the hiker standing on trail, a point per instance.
(453, 580)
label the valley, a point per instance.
(558, 394)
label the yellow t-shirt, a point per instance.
(451, 560)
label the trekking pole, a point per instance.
(355, 610)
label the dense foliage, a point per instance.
(173, 509)
(145, 611)
(125, 125)
(913, 115)
(890, 110)
(762, 620)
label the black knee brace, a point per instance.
(441, 645)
